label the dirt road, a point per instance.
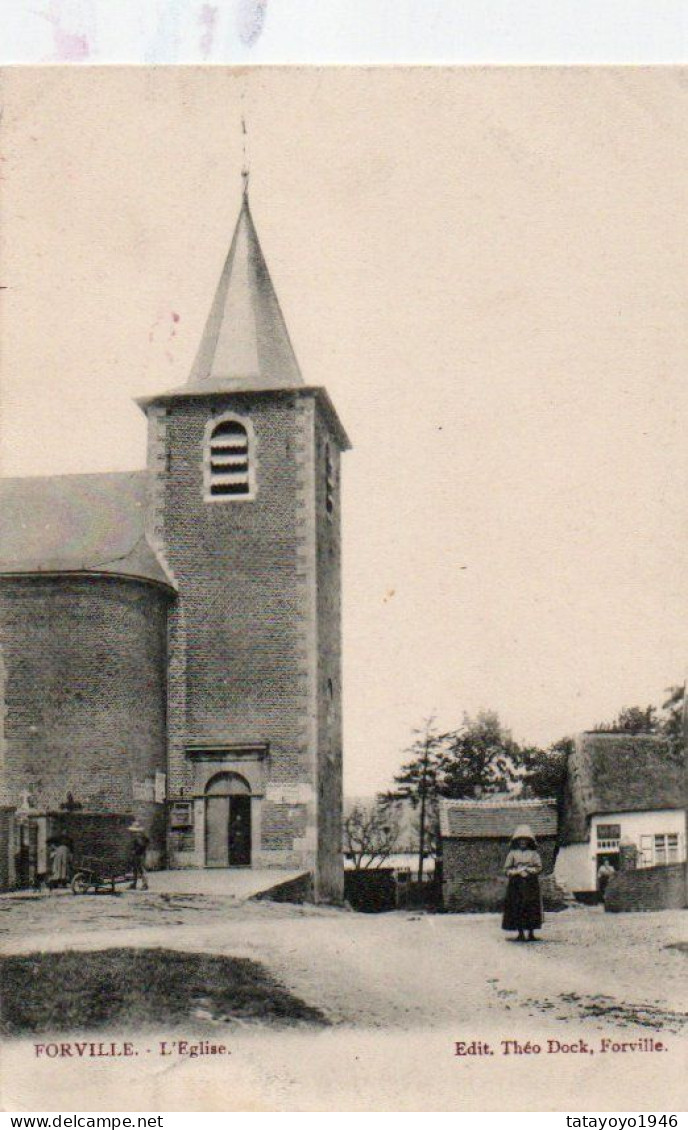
(399, 970)
(401, 990)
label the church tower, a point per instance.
(244, 511)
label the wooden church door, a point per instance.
(239, 831)
(227, 822)
(216, 823)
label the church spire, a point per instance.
(245, 343)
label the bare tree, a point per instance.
(371, 833)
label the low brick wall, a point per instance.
(487, 895)
(473, 872)
(648, 888)
(294, 890)
(475, 895)
(371, 892)
(96, 835)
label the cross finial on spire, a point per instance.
(245, 171)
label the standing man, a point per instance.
(605, 872)
(138, 855)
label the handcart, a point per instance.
(97, 875)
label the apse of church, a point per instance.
(231, 577)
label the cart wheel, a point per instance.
(80, 883)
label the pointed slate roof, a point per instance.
(245, 343)
(245, 347)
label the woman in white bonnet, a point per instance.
(523, 902)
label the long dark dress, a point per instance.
(523, 903)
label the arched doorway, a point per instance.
(227, 821)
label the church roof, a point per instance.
(620, 772)
(77, 524)
(245, 343)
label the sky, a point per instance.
(485, 267)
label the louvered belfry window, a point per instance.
(229, 473)
(329, 482)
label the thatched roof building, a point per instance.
(619, 772)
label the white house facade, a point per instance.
(623, 795)
(657, 836)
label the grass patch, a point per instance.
(135, 989)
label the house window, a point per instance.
(608, 837)
(229, 459)
(666, 848)
(329, 482)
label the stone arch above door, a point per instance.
(227, 783)
(249, 762)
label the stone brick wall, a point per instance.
(648, 888)
(84, 693)
(6, 848)
(330, 877)
(243, 638)
(473, 871)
